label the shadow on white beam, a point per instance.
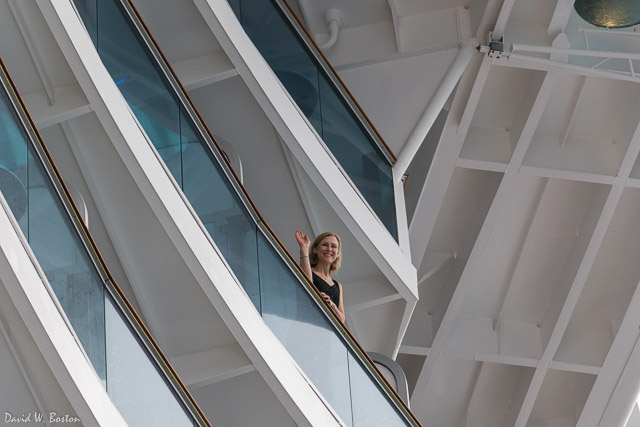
(207, 367)
(71, 103)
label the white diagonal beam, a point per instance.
(468, 275)
(614, 369)
(17, 9)
(574, 109)
(5, 331)
(520, 266)
(407, 313)
(445, 158)
(581, 277)
(560, 17)
(307, 147)
(503, 18)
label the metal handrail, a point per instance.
(134, 320)
(211, 143)
(326, 66)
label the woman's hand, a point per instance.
(328, 300)
(303, 242)
(337, 310)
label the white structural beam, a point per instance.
(574, 109)
(435, 105)
(17, 9)
(531, 61)
(434, 263)
(407, 313)
(284, 377)
(445, 158)
(616, 370)
(504, 192)
(580, 278)
(624, 398)
(71, 103)
(518, 272)
(307, 147)
(27, 376)
(204, 70)
(31, 295)
(560, 17)
(299, 179)
(503, 18)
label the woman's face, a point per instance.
(328, 249)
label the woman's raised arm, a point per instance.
(305, 265)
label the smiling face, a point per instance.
(326, 249)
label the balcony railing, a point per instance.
(138, 377)
(289, 304)
(324, 100)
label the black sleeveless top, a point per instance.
(332, 291)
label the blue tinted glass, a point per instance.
(13, 163)
(87, 10)
(235, 5)
(51, 236)
(321, 102)
(220, 209)
(135, 384)
(66, 264)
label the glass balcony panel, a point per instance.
(305, 332)
(13, 163)
(349, 143)
(278, 294)
(155, 404)
(65, 263)
(87, 10)
(370, 407)
(141, 83)
(293, 65)
(220, 209)
(317, 97)
(135, 384)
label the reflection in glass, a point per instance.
(277, 293)
(135, 384)
(322, 104)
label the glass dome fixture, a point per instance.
(609, 13)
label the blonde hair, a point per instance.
(313, 257)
